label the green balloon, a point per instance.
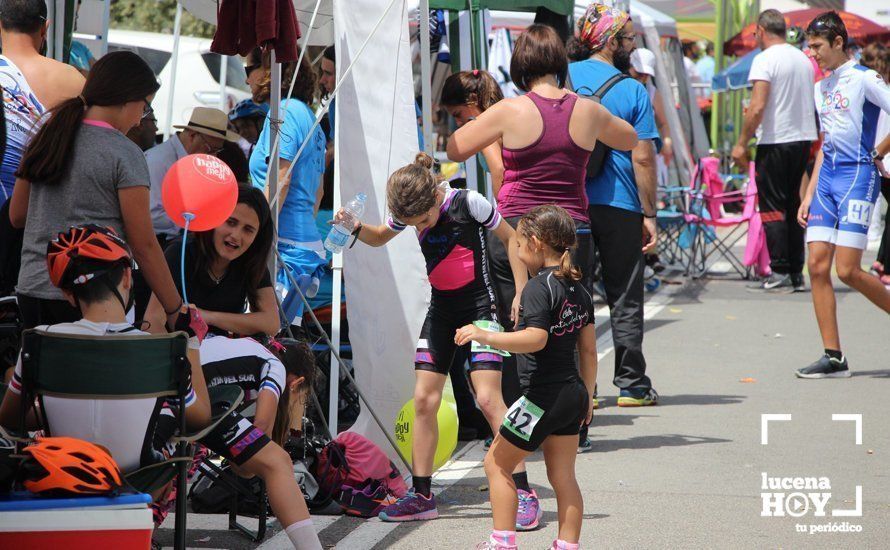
(447, 421)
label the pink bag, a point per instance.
(363, 460)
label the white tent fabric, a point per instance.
(387, 289)
(664, 25)
(322, 32)
(499, 61)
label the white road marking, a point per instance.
(651, 307)
(280, 540)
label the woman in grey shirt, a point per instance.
(80, 168)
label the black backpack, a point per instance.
(598, 155)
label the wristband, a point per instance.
(194, 343)
(355, 232)
(176, 309)
(652, 217)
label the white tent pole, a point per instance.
(174, 61)
(51, 32)
(59, 31)
(426, 93)
(223, 76)
(106, 23)
(336, 293)
(274, 136)
(333, 93)
(290, 90)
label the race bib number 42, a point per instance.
(522, 417)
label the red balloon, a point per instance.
(201, 185)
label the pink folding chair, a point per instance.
(706, 214)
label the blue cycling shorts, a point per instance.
(843, 204)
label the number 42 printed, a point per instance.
(522, 417)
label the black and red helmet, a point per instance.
(83, 253)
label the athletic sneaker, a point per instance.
(636, 398)
(368, 501)
(488, 545)
(585, 446)
(487, 443)
(825, 367)
(411, 507)
(798, 283)
(529, 513)
(774, 283)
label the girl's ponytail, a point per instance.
(475, 87)
(567, 269)
(411, 190)
(553, 226)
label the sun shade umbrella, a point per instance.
(735, 76)
(858, 28)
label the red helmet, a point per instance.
(69, 466)
(96, 245)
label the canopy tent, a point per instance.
(859, 28)
(562, 7)
(664, 25)
(735, 77)
(322, 28)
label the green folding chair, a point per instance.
(123, 367)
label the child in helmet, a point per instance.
(94, 268)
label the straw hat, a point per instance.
(210, 122)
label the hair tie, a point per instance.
(475, 72)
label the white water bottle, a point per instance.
(339, 234)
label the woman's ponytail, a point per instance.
(46, 158)
(116, 79)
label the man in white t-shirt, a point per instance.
(782, 113)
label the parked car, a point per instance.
(197, 73)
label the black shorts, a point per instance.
(557, 409)
(236, 438)
(436, 347)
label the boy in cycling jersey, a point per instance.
(841, 196)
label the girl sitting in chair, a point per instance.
(225, 272)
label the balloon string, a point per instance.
(188, 217)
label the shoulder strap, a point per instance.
(585, 91)
(607, 85)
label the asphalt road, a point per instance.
(689, 473)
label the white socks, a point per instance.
(303, 536)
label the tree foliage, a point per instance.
(155, 16)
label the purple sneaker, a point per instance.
(529, 512)
(411, 507)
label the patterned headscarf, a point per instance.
(600, 22)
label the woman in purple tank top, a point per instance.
(547, 138)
